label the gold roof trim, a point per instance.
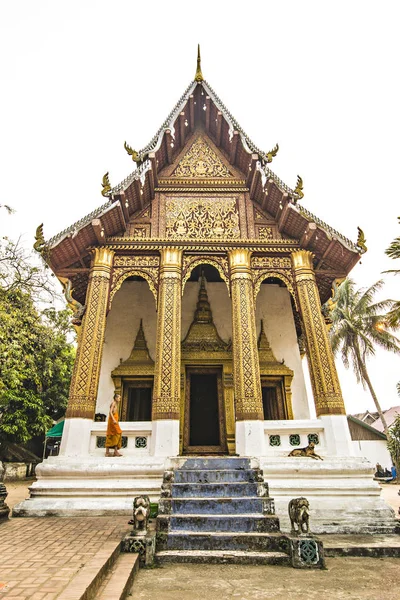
(199, 74)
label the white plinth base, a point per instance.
(76, 437)
(250, 438)
(337, 435)
(91, 486)
(342, 494)
(165, 438)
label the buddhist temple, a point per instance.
(198, 289)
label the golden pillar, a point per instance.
(86, 373)
(166, 394)
(324, 379)
(246, 368)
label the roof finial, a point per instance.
(199, 74)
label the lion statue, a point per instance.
(141, 514)
(299, 515)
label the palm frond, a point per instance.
(394, 271)
(393, 316)
(359, 325)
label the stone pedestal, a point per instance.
(307, 552)
(144, 545)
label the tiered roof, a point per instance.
(200, 108)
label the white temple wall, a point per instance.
(274, 307)
(132, 302)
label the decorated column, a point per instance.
(324, 379)
(246, 369)
(85, 377)
(166, 392)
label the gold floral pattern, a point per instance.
(201, 161)
(202, 219)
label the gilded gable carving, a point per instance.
(202, 218)
(201, 161)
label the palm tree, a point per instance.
(358, 325)
(393, 316)
(393, 251)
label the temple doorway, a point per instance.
(204, 431)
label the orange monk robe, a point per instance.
(114, 431)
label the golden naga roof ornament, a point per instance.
(299, 189)
(361, 241)
(40, 245)
(106, 185)
(270, 155)
(136, 157)
(199, 74)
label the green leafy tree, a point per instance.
(394, 443)
(36, 362)
(20, 270)
(359, 325)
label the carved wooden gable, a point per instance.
(201, 161)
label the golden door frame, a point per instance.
(222, 447)
(209, 362)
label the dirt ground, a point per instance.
(344, 578)
(17, 491)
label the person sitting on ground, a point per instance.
(379, 471)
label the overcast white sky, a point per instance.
(78, 78)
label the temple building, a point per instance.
(197, 289)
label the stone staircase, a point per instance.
(217, 510)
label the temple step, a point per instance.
(215, 490)
(215, 475)
(219, 523)
(215, 557)
(238, 541)
(222, 506)
(213, 463)
(217, 510)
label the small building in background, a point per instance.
(368, 442)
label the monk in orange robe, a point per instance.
(114, 432)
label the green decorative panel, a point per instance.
(294, 439)
(274, 440)
(141, 442)
(101, 441)
(308, 552)
(314, 438)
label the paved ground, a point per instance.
(38, 557)
(345, 578)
